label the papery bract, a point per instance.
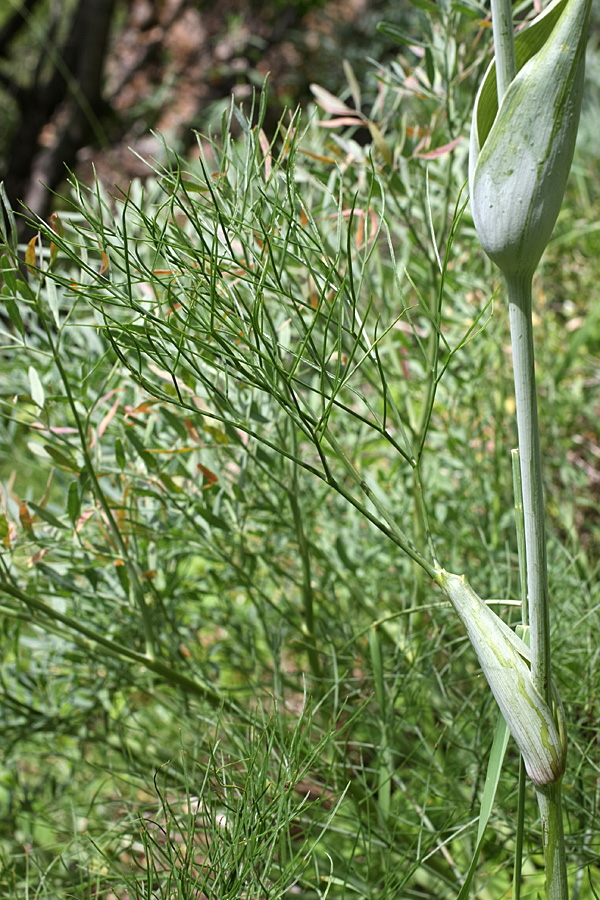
(501, 655)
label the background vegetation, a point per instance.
(220, 676)
(83, 82)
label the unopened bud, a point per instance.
(521, 150)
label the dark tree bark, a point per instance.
(14, 24)
(61, 113)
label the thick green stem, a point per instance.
(504, 45)
(521, 330)
(553, 839)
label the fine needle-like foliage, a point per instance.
(250, 435)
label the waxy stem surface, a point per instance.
(521, 331)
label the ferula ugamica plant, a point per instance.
(194, 296)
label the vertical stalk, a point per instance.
(553, 838)
(521, 330)
(504, 45)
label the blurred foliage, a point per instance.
(169, 67)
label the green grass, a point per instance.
(315, 723)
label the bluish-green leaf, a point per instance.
(36, 387)
(48, 517)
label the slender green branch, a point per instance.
(134, 579)
(397, 534)
(307, 589)
(112, 648)
(421, 516)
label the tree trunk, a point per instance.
(63, 112)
